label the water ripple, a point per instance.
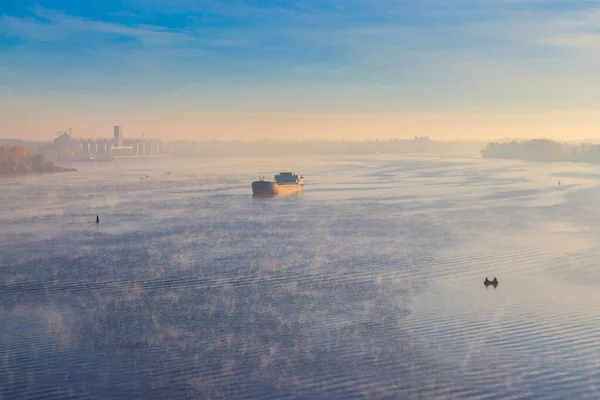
(369, 286)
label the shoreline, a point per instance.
(543, 161)
(63, 169)
(113, 159)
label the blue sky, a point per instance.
(240, 57)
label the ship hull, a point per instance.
(263, 188)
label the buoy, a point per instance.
(97, 219)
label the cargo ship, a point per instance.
(285, 183)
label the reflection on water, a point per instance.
(366, 286)
(268, 196)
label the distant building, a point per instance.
(63, 140)
(118, 136)
(68, 148)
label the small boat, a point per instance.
(493, 283)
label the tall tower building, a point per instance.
(118, 138)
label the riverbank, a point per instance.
(17, 161)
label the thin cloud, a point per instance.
(577, 30)
(30, 29)
(582, 41)
(54, 26)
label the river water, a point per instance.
(369, 285)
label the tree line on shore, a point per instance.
(17, 160)
(543, 150)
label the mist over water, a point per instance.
(369, 285)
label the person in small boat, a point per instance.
(493, 282)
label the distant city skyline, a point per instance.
(357, 69)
